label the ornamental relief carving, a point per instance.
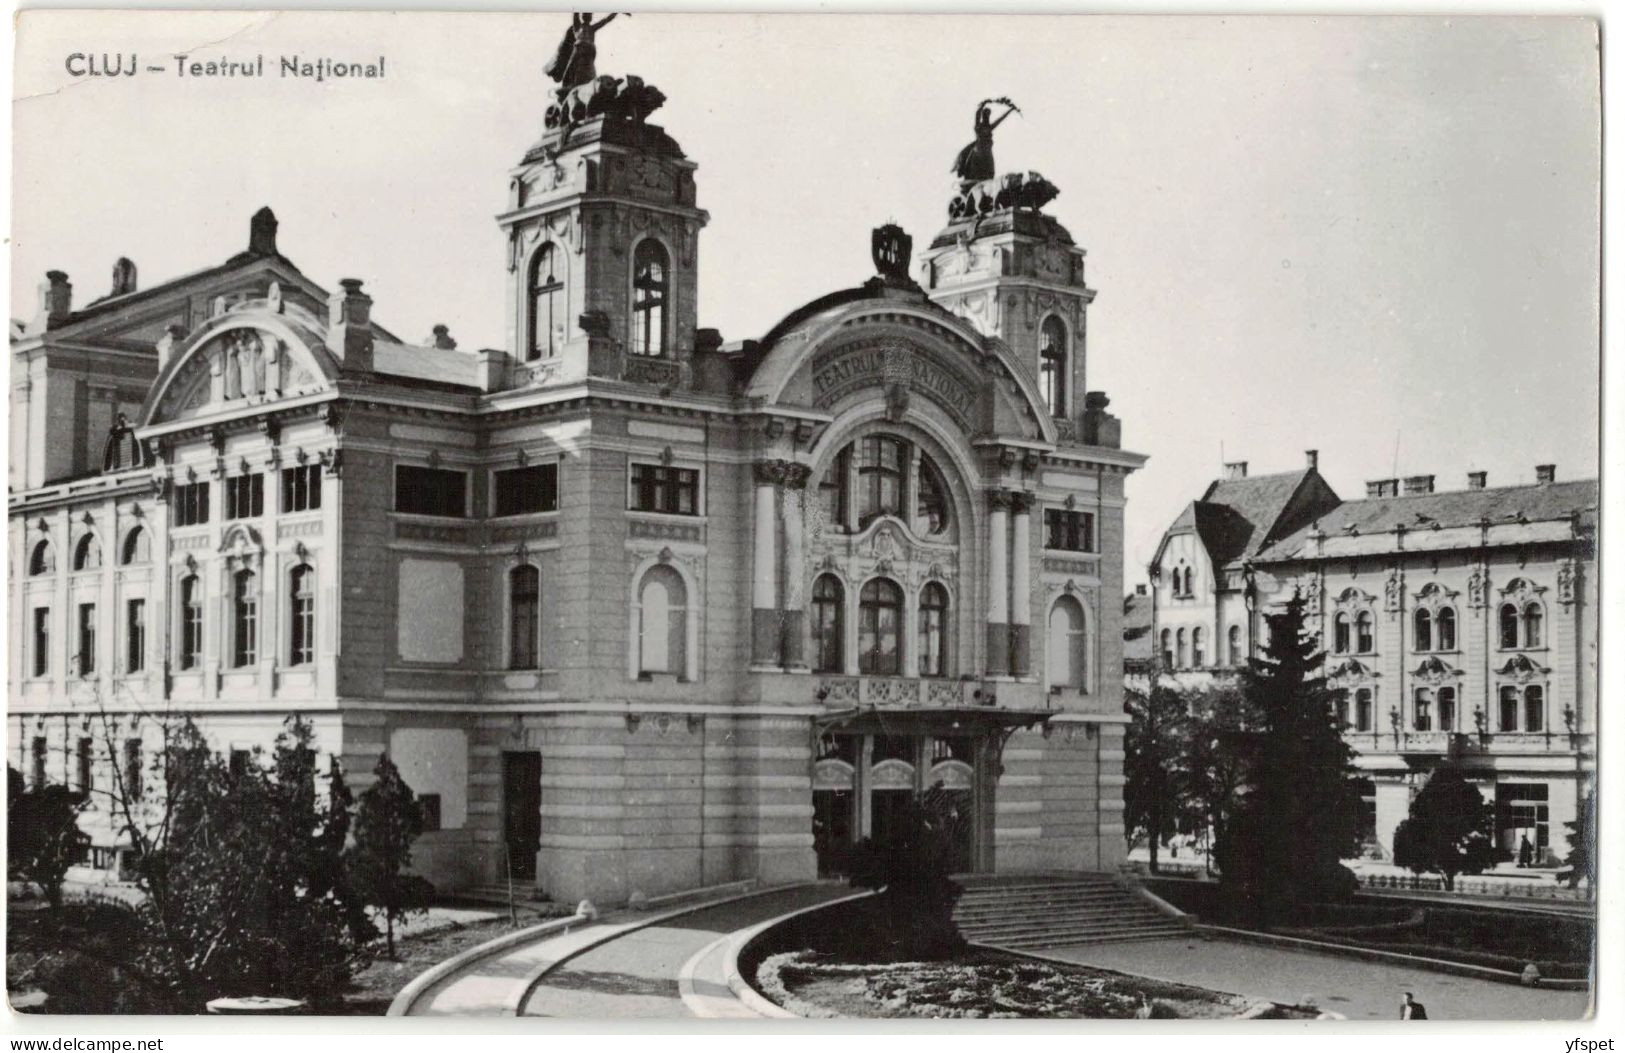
(1352, 671)
(1478, 588)
(1566, 577)
(1353, 599)
(1521, 669)
(1522, 591)
(1433, 596)
(1435, 671)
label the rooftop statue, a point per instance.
(975, 161)
(582, 94)
(575, 62)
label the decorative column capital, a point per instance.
(998, 500)
(796, 476)
(768, 472)
(1021, 502)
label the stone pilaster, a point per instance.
(998, 584)
(765, 640)
(795, 601)
(1020, 584)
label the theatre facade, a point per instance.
(633, 608)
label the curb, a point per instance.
(753, 999)
(533, 979)
(414, 989)
(1371, 954)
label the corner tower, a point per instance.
(603, 234)
(1015, 273)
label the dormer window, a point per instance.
(651, 277)
(547, 314)
(1052, 366)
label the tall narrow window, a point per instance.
(832, 492)
(1532, 625)
(1445, 625)
(1167, 648)
(931, 500)
(191, 622)
(663, 623)
(1509, 709)
(1424, 710)
(133, 788)
(1342, 710)
(1198, 650)
(1509, 626)
(135, 636)
(40, 772)
(1068, 643)
(1183, 661)
(86, 757)
(137, 547)
(881, 461)
(1447, 709)
(1364, 637)
(933, 630)
(245, 618)
(1534, 708)
(87, 555)
(302, 624)
(1424, 630)
(650, 288)
(43, 559)
(524, 617)
(1362, 709)
(828, 625)
(42, 641)
(880, 617)
(1236, 655)
(547, 314)
(1340, 634)
(1052, 366)
(87, 639)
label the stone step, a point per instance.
(1026, 921)
(1064, 940)
(1038, 910)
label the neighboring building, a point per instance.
(631, 609)
(1463, 626)
(1139, 654)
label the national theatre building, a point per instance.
(633, 608)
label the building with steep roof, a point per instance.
(633, 609)
(1462, 626)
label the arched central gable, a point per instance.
(909, 351)
(258, 352)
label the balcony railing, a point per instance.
(927, 692)
(1457, 744)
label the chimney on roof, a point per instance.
(1545, 473)
(442, 339)
(123, 276)
(1477, 480)
(1235, 470)
(1382, 488)
(1311, 459)
(349, 326)
(1418, 484)
(55, 302)
(262, 232)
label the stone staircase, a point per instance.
(1029, 911)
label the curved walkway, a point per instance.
(629, 965)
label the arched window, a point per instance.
(829, 625)
(524, 617)
(1364, 640)
(1509, 709)
(1068, 644)
(933, 630)
(1534, 708)
(1446, 626)
(302, 615)
(882, 461)
(1362, 709)
(1424, 630)
(651, 276)
(880, 618)
(931, 500)
(245, 618)
(1236, 656)
(1342, 710)
(1052, 366)
(1509, 626)
(43, 559)
(1447, 709)
(1340, 634)
(663, 623)
(547, 312)
(1183, 659)
(1168, 648)
(87, 555)
(191, 622)
(1198, 654)
(1423, 717)
(137, 546)
(1531, 625)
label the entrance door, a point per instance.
(522, 810)
(890, 814)
(832, 830)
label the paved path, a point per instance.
(633, 975)
(1360, 990)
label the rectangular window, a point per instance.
(302, 643)
(191, 622)
(135, 628)
(1069, 531)
(431, 491)
(42, 641)
(237, 763)
(87, 639)
(132, 769)
(658, 488)
(191, 504)
(245, 496)
(302, 488)
(39, 762)
(519, 491)
(87, 767)
(429, 807)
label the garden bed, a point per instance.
(987, 984)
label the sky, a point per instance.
(1372, 237)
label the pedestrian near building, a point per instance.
(1411, 1009)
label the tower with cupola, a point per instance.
(602, 231)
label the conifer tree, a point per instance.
(387, 821)
(1449, 830)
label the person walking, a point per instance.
(1526, 852)
(1411, 1009)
